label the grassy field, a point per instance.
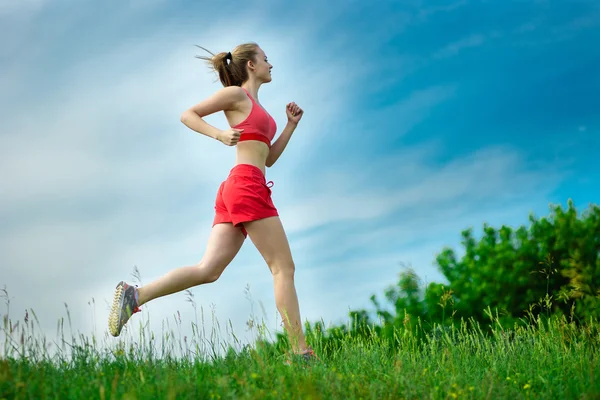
(551, 360)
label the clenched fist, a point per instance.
(230, 137)
(294, 113)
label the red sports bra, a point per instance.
(259, 125)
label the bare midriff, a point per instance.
(252, 152)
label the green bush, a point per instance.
(506, 277)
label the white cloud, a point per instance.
(454, 48)
(410, 111)
(475, 179)
(424, 13)
(12, 7)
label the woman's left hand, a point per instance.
(294, 113)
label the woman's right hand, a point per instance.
(230, 137)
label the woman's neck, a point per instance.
(252, 87)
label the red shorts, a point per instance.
(243, 197)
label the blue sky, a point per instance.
(422, 119)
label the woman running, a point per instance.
(243, 204)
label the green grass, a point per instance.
(553, 359)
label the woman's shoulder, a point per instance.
(235, 92)
(228, 98)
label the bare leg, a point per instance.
(224, 243)
(269, 238)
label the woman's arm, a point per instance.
(280, 144)
(294, 114)
(224, 99)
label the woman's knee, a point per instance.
(282, 268)
(210, 278)
(206, 274)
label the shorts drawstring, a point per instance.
(271, 182)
